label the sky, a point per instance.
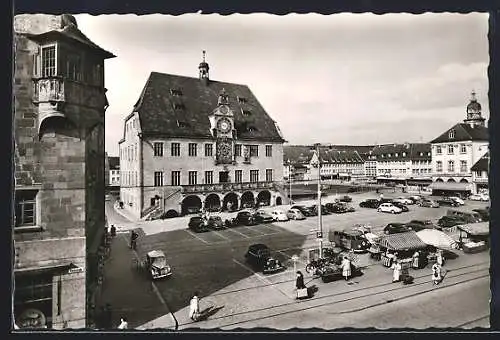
(342, 79)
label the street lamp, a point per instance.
(319, 235)
(290, 182)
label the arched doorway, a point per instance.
(191, 205)
(439, 180)
(247, 200)
(451, 180)
(463, 180)
(212, 202)
(264, 198)
(230, 202)
(279, 201)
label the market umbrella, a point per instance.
(437, 239)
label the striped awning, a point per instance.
(402, 241)
(451, 186)
(477, 229)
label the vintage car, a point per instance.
(370, 203)
(259, 256)
(345, 198)
(484, 213)
(389, 208)
(479, 197)
(295, 214)
(450, 221)
(339, 208)
(403, 200)
(474, 237)
(215, 222)
(350, 239)
(244, 217)
(156, 264)
(262, 216)
(314, 210)
(303, 209)
(395, 228)
(448, 202)
(401, 206)
(428, 203)
(197, 224)
(279, 216)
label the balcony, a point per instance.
(451, 174)
(481, 180)
(225, 187)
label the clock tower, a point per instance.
(222, 123)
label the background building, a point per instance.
(457, 149)
(194, 143)
(59, 110)
(480, 171)
(114, 171)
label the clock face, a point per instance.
(223, 109)
(224, 125)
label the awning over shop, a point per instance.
(58, 269)
(477, 229)
(447, 186)
(402, 241)
(437, 239)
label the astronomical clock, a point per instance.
(223, 126)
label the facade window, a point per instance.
(48, 61)
(175, 149)
(242, 100)
(254, 176)
(451, 134)
(451, 150)
(269, 151)
(438, 150)
(246, 112)
(158, 149)
(451, 166)
(176, 178)
(208, 150)
(192, 177)
(237, 150)
(193, 147)
(176, 92)
(238, 176)
(158, 178)
(439, 166)
(269, 175)
(463, 148)
(25, 201)
(209, 177)
(463, 166)
(254, 150)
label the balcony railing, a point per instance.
(225, 187)
(58, 89)
(452, 174)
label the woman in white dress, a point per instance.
(396, 274)
(436, 273)
(194, 307)
(346, 268)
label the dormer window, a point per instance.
(176, 92)
(389, 155)
(182, 124)
(246, 112)
(404, 154)
(242, 100)
(451, 134)
(179, 106)
(421, 154)
(396, 154)
(252, 129)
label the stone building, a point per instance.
(59, 106)
(406, 164)
(480, 171)
(114, 171)
(457, 149)
(194, 143)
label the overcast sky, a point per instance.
(341, 79)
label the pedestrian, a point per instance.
(133, 239)
(346, 268)
(194, 307)
(436, 274)
(439, 258)
(415, 260)
(299, 282)
(123, 323)
(113, 230)
(396, 274)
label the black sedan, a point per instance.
(370, 203)
(401, 206)
(395, 228)
(260, 216)
(339, 208)
(345, 198)
(448, 202)
(415, 226)
(303, 209)
(450, 221)
(314, 210)
(259, 256)
(197, 224)
(244, 217)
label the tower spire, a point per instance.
(203, 69)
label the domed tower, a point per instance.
(474, 117)
(203, 67)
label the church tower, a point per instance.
(474, 117)
(204, 68)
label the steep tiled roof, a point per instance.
(185, 114)
(297, 154)
(463, 132)
(344, 156)
(300, 154)
(482, 164)
(411, 151)
(114, 163)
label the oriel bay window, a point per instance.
(49, 61)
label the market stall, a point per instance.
(437, 239)
(474, 237)
(402, 245)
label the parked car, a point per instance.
(303, 209)
(467, 216)
(244, 217)
(415, 198)
(458, 200)
(450, 221)
(107, 197)
(279, 216)
(417, 226)
(428, 203)
(215, 222)
(351, 239)
(295, 214)
(259, 256)
(339, 208)
(197, 224)
(262, 216)
(401, 206)
(479, 197)
(448, 201)
(314, 210)
(395, 228)
(389, 208)
(346, 199)
(485, 213)
(370, 203)
(423, 222)
(403, 200)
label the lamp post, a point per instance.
(290, 182)
(319, 235)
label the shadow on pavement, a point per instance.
(208, 312)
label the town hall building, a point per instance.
(195, 143)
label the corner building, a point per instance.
(59, 107)
(194, 143)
